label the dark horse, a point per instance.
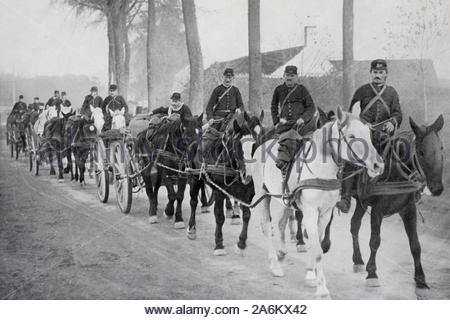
(423, 149)
(228, 152)
(80, 136)
(53, 144)
(163, 159)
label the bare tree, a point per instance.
(119, 16)
(423, 23)
(347, 51)
(151, 43)
(254, 46)
(195, 56)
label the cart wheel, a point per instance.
(101, 173)
(122, 181)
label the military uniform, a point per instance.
(90, 100)
(379, 104)
(18, 107)
(66, 109)
(113, 103)
(291, 104)
(184, 111)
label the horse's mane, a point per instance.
(169, 127)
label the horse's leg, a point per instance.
(17, 149)
(358, 262)
(376, 217)
(193, 191)
(266, 226)
(171, 195)
(229, 207)
(235, 217)
(179, 223)
(203, 197)
(220, 219)
(291, 221)
(326, 241)
(50, 160)
(82, 166)
(301, 246)
(241, 245)
(281, 232)
(91, 165)
(152, 208)
(59, 157)
(68, 168)
(409, 217)
(323, 223)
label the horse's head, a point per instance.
(191, 127)
(118, 119)
(51, 112)
(430, 153)
(243, 136)
(356, 143)
(99, 121)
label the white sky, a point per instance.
(39, 39)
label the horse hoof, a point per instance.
(301, 248)
(191, 233)
(220, 252)
(310, 279)
(153, 220)
(358, 268)
(373, 282)
(235, 221)
(422, 293)
(229, 213)
(293, 238)
(239, 251)
(179, 225)
(204, 210)
(281, 255)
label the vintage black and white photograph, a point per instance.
(224, 150)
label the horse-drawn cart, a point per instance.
(114, 163)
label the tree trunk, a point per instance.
(118, 20)
(347, 52)
(254, 46)
(111, 50)
(151, 35)
(195, 56)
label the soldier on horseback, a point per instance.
(225, 100)
(91, 101)
(176, 107)
(19, 106)
(35, 106)
(54, 101)
(66, 109)
(112, 103)
(380, 107)
(292, 112)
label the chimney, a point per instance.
(310, 36)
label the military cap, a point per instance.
(36, 98)
(63, 93)
(21, 96)
(56, 91)
(94, 89)
(229, 72)
(176, 96)
(113, 87)
(290, 70)
(378, 64)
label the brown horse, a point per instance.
(426, 147)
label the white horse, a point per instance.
(99, 121)
(320, 163)
(46, 115)
(118, 119)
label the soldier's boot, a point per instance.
(344, 204)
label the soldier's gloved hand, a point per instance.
(283, 120)
(300, 122)
(211, 122)
(389, 127)
(238, 111)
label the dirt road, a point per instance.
(57, 241)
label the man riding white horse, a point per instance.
(112, 104)
(292, 107)
(91, 101)
(380, 107)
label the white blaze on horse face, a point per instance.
(97, 114)
(257, 130)
(247, 143)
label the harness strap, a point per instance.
(221, 97)
(375, 99)
(287, 97)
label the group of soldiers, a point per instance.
(292, 109)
